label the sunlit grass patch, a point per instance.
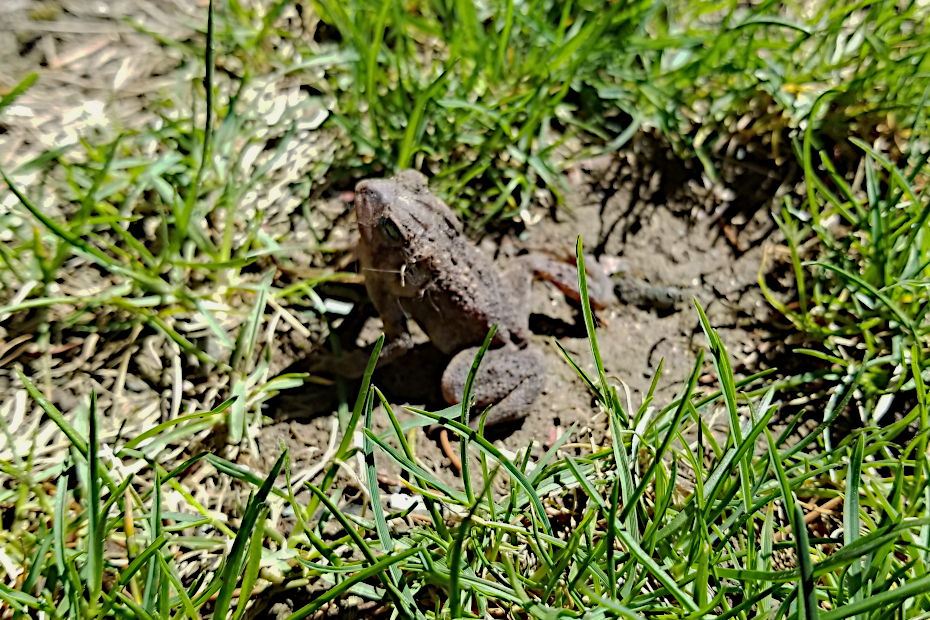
(158, 272)
(862, 288)
(171, 257)
(496, 99)
(649, 524)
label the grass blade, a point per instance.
(589, 323)
(363, 548)
(434, 510)
(18, 90)
(194, 192)
(496, 454)
(367, 573)
(381, 526)
(851, 519)
(253, 564)
(349, 431)
(467, 399)
(95, 534)
(229, 576)
(810, 606)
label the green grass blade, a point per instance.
(611, 536)
(340, 590)
(657, 571)
(589, 322)
(381, 526)
(194, 191)
(764, 559)
(415, 121)
(647, 477)
(496, 454)
(37, 562)
(889, 599)
(95, 537)
(434, 510)
(810, 606)
(139, 561)
(421, 474)
(156, 526)
(362, 546)
(455, 564)
(60, 523)
(851, 521)
(581, 373)
(807, 160)
(622, 611)
(155, 284)
(889, 166)
(18, 90)
(248, 333)
(20, 600)
(137, 610)
(902, 316)
(467, 399)
(348, 432)
(504, 41)
(253, 564)
(784, 485)
(728, 384)
(229, 575)
(164, 426)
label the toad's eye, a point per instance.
(390, 229)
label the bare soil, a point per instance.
(639, 206)
(98, 71)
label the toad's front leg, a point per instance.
(509, 378)
(397, 340)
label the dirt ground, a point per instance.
(655, 214)
(671, 226)
(97, 71)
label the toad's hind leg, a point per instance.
(510, 379)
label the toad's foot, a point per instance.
(564, 276)
(510, 379)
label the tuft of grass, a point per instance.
(497, 98)
(734, 532)
(863, 292)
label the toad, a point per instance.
(418, 264)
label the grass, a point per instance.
(180, 228)
(515, 89)
(651, 525)
(495, 109)
(864, 292)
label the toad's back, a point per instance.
(463, 299)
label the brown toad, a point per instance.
(418, 264)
